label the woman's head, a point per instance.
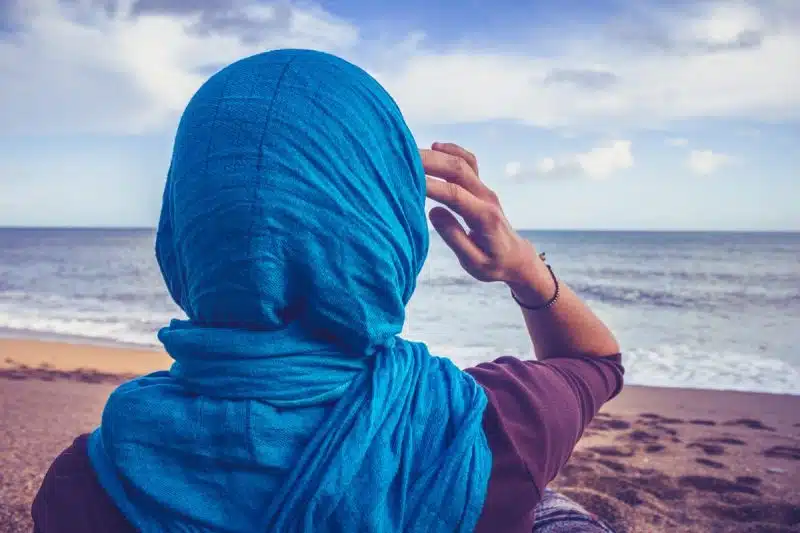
(295, 196)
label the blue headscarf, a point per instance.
(292, 233)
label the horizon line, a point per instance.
(545, 230)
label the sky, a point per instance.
(584, 114)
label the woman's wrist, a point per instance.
(533, 286)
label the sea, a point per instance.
(690, 309)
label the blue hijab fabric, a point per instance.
(292, 232)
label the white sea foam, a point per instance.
(36, 325)
(684, 366)
(673, 366)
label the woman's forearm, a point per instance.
(566, 328)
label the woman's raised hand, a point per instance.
(489, 249)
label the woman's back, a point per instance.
(292, 232)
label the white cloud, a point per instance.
(131, 74)
(677, 142)
(598, 163)
(705, 162)
(127, 74)
(725, 24)
(513, 168)
(696, 74)
(548, 164)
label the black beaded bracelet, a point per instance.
(550, 302)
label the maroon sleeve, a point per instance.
(537, 412)
(71, 499)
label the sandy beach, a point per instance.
(654, 460)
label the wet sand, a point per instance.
(655, 460)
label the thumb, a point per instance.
(454, 235)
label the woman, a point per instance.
(292, 232)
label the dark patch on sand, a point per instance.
(652, 416)
(715, 484)
(749, 480)
(724, 440)
(642, 436)
(783, 452)
(749, 423)
(47, 373)
(613, 465)
(776, 513)
(614, 451)
(709, 463)
(708, 449)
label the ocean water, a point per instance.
(698, 310)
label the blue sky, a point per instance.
(602, 114)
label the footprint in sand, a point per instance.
(716, 484)
(663, 429)
(782, 514)
(749, 423)
(651, 416)
(609, 423)
(583, 455)
(573, 470)
(658, 484)
(613, 465)
(783, 452)
(642, 437)
(749, 480)
(724, 440)
(709, 463)
(613, 451)
(620, 488)
(701, 422)
(618, 424)
(708, 449)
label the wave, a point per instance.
(666, 366)
(446, 281)
(627, 287)
(134, 328)
(695, 297)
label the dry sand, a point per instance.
(655, 460)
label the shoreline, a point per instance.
(61, 359)
(654, 460)
(66, 338)
(37, 352)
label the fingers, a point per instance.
(470, 207)
(456, 238)
(456, 150)
(454, 169)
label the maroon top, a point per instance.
(537, 412)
